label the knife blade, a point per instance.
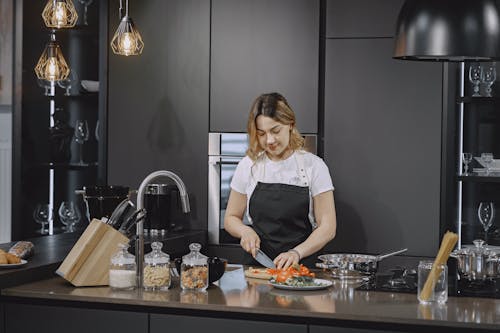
(264, 260)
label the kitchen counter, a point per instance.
(51, 250)
(236, 297)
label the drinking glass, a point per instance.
(42, 215)
(81, 135)
(475, 77)
(467, 158)
(85, 3)
(488, 76)
(70, 81)
(69, 215)
(486, 214)
(487, 159)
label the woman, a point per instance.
(287, 193)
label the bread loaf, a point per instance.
(22, 249)
(3, 259)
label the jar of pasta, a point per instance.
(122, 271)
(194, 269)
(156, 269)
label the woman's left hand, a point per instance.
(286, 259)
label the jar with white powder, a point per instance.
(122, 272)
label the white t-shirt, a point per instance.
(265, 170)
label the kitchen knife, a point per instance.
(264, 260)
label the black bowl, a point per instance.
(216, 267)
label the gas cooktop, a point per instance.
(402, 280)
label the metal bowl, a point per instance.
(477, 263)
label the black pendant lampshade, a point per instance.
(448, 30)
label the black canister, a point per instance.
(158, 200)
(101, 200)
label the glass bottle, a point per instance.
(194, 269)
(122, 274)
(156, 269)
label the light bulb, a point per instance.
(60, 14)
(127, 43)
(52, 69)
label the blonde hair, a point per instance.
(276, 107)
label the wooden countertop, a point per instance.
(234, 296)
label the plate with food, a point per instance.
(14, 265)
(301, 283)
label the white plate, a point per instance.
(22, 263)
(495, 165)
(320, 284)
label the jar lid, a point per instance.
(156, 256)
(122, 256)
(194, 257)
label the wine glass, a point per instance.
(487, 159)
(486, 214)
(97, 130)
(488, 76)
(467, 158)
(70, 81)
(85, 3)
(475, 77)
(69, 215)
(42, 215)
(45, 84)
(81, 135)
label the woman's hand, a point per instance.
(287, 259)
(250, 241)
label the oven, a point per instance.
(225, 150)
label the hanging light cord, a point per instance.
(120, 9)
(126, 7)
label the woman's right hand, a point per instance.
(250, 241)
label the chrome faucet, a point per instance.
(139, 243)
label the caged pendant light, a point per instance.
(127, 40)
(59, 14)
(52, 66)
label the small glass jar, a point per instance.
(122, 271)
(156, 269)
(194, 269)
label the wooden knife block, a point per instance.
(87, 264)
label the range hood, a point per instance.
(448, 30)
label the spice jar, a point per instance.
(122, 274)
(194, 269)
(156, 269)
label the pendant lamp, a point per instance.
(127, 40)
(52, 66)
(448, 30)
(59, 14)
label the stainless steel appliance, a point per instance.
(225, 150)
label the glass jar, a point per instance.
(194, 269)
(122, 271)
(156, 269)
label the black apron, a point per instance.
(280, 215)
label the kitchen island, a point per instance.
(237, 303)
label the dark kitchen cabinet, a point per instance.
(57, 319)
(158, 101)
(383, 147)
(326, 329)
(43, 172)
(263, 46)
(158, 323)
(361, 18)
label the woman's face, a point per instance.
(273, 136)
